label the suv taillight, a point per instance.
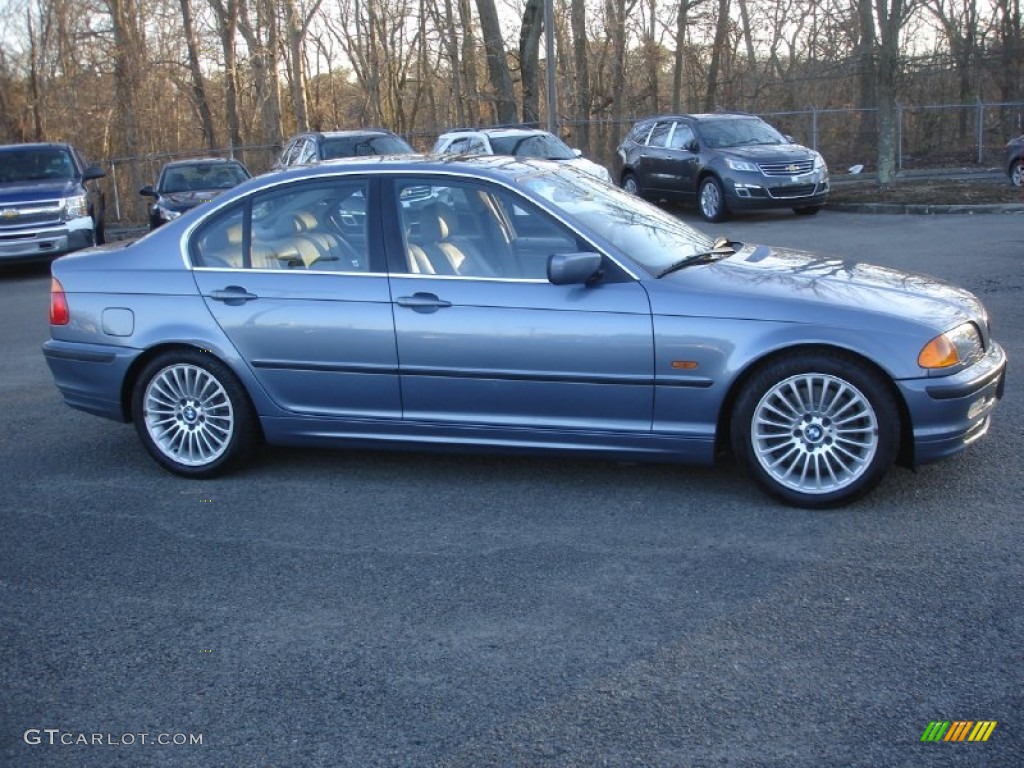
(59, 312)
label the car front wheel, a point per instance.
(816, 430)
(631, 184)
(193, 415)
(711, 200)
(1017, 173)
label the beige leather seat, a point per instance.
(438, 250)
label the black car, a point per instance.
(1014, 162)
(724, 162)
(184, 184)
(51, 202)
(314, 147)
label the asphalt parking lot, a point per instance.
(404, 609)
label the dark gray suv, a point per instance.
(724, 162)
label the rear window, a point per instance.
(356, 146)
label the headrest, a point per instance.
(436, 223)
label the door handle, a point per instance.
(234, 295)
(422, 302)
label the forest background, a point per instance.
(883, 83)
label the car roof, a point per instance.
(35, 145)
(350, 132)
(202, 161)
(497, 132)
(701, 116)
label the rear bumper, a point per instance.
(90, 377)
(952, 412)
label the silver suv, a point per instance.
(519, 142)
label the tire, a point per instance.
(631, 184)
(807, 210)
(1017, 173)
(193, 415)
(785, 430)
(711, 200)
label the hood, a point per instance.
(182, 201)
(589, 167)
(792, 286)
(769, 153)
(44, 189)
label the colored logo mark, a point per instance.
(958, 730)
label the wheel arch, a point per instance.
(131, 377)
(905, 456)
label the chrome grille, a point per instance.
(31, 214)
(794, 168)
(791, 191)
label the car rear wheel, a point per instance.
(816, 430)
(711, 200)
(631, 184)
(807, 210)
(193, 415)
(1017, 173)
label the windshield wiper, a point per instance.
(722, 247)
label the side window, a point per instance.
(307, 153)
(468, 230)
(681, 136)
(659, 136)
(312, 226)
(289, 154)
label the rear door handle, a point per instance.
(422, 302)
(234, 295)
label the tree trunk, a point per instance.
(717, 54)
(198, 83)
(297, 65)
(682, 19)
(580, 57)
(497, 66)
(529, 59)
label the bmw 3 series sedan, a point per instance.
(503, 304)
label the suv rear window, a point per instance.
(354, 146)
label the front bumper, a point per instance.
(951, 412)
(750, 191)
(29, 245)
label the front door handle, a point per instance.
(233, 295)
(422, 302)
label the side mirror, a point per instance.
(148, 191)
(577, 152)
(93, 172)
(573, 268)
(692, 146)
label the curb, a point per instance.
(924, 208)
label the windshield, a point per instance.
(738, 133)
(542, 145)
(647, 234)
(200, 177)
(36, 165)
(354, 146)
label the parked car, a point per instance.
(50, 202)
(523, 308)
(316, 146)
(1014, 162)
(724, 162)
(184, 184)
(517, 142)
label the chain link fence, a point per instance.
(967, 136)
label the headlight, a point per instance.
(166, 213)
(742, 165)
(959, 345)
(76, 207)
(819, 162)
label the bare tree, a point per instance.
(529, 59)
(497, 66)
(202, 104)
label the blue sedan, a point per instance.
(499, 304)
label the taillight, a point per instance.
(59, 312)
